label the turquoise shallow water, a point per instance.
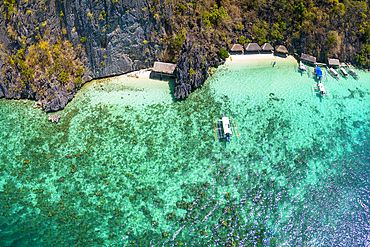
(128, 165)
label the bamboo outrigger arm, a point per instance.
(214, 126)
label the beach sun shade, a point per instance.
(252, 47)
(167, 68)
(308, 58)
(236, 47)
(333, 62)
(318, 71)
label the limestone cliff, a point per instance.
(49, 49)
(107, 38)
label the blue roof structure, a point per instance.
(318, 72)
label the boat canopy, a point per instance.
(318, 71)
(226, 125)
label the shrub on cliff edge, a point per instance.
(241, 40)
(223, 53)
(48, 58)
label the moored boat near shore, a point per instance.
(353, 73)
(333, 73)
(318, 73)
(320, 89)
(343, 71)
(302, 67)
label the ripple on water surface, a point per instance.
(127, 164)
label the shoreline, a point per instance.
(138, 78)
(256, 58)
(144, 74)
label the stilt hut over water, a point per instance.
(308, 58)
(252, 48)
(236, 49)
(333, 62)
(281, 51)
(164, 69)
(267, 48)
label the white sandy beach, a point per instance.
(139, 78)
(140, 74)
(255, 57)
(145, 73)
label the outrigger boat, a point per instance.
(319, 88)
(353, 73)
(224, 128)
(302, 67)
(343, 71)
(333, 73)
(318, 72)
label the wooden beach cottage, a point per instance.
(308, 58)
(161, 69)
(333, 62)
(281, 51)
(236, 49)
(267, 48)
(252, 48)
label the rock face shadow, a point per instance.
(168, 78)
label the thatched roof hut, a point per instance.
(333, 62)
(166, 68)
(267, 47)
(281, 49)
(308, 58)
(252, 47)
(236, 48)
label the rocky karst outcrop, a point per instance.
(192, 67)
(108, 38)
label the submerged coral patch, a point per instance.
(129, 165)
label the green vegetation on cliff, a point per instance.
(47, 58)
(328, 28)
(223, 53)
